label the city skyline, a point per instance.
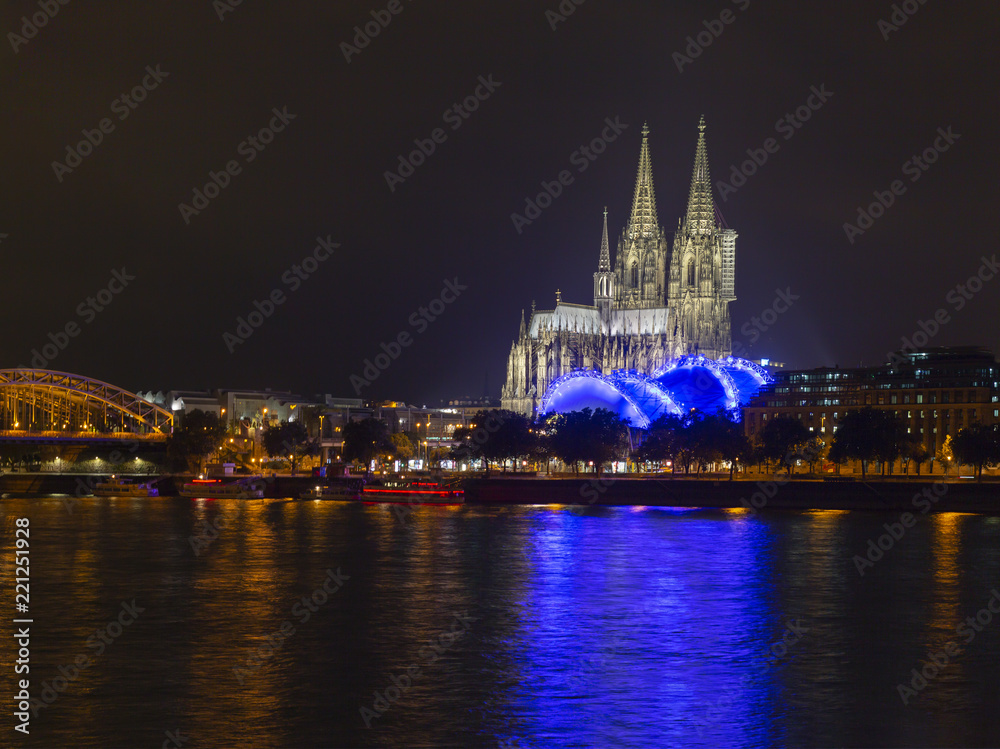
(294, 166)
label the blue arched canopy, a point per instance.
(681, 385)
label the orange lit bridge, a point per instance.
(40, 406)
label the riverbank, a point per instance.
(82, 485)
(763, 493)
(766, 493)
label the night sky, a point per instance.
(65, 231)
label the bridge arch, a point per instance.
(50, 402)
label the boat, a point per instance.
(120, 487)
(415, 489)
(347, 489)
(217, 489)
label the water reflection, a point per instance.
(594, 627)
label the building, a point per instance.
(935, 391)
(655, 303)
(248, 412)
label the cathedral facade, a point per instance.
(659, 300)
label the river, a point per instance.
(298, 624)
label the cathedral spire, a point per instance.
(643, 222)
(605, 264)
(700, 217)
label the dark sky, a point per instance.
(324, 175)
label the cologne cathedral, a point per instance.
(656, 304)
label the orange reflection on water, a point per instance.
(945, 544)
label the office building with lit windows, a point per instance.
(936, 391)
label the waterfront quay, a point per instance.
(753, 494)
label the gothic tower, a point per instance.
(604, 279)
(702, 270)
(641, 260)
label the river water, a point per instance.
(524, 626)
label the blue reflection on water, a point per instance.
(635, 630)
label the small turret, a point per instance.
(604, 279)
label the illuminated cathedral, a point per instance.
(659, 309)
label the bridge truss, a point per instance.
(43, 403)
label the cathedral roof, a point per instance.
(604, 265)
(643, 221)
(700, 218)
(580, 318)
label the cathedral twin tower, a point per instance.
(656, 304)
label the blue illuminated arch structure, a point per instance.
(585, 388)
(646, 393)
(679, 386)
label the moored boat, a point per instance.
(415, 489)
(217, 489)
(121, 487)
(345, 490)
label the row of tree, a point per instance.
(696, 440)
(593, 438)
(204, 434)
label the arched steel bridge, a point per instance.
(42, 405)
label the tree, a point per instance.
(977, 445)
(402, 446)
(515, 439)
(365, 440)
(781, 438)
(496, 435)
(664, 439)
(945, 453)
(753, 453)
(726, 438)
(913, 451)
(289, 438)
(589, 436)
(198, 435)
(814, 451)
(868, 434)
